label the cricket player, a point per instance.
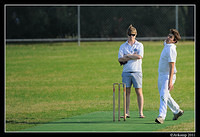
(167, 76)
(130, 56)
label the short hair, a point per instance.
(131, 30)
(176, 34)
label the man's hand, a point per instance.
(170, 86)
(123, 63)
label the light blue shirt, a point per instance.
(136, 48)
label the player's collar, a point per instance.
(136, 42)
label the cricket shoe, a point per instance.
(159, 120)
(180, 113)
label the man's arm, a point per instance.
(171, 73)
(134, 56)
(124, 59)
(129, 57)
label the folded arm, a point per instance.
(133, 56)
(128, 57)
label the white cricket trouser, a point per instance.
(165, 97)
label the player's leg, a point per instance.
(137, 83)
(170, 102)
(128, 93)
(159, 119)
(140, 101)
(163, 90)
(126, 78)
(173, 105)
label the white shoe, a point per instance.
(159, 120)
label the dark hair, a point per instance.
(176, 34)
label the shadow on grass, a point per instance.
(75, 122)
(24, 122)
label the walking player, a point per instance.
(130, 56)
(167, 76)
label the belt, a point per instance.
(132, 72)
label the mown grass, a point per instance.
(186, 127)
(50, 81)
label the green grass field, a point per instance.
(52, 81)
(101, 121)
